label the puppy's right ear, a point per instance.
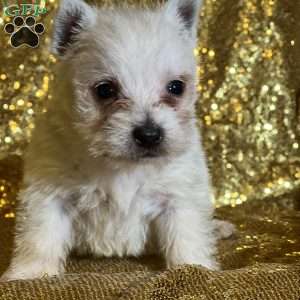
(74, 16)
(186, 12)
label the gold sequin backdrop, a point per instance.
(249, 82)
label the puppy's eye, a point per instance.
(176, 87)
(107, 90)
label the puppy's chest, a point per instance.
(116, 213)
(124, 196)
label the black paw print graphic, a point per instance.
(24, 32)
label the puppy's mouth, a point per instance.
(152, 153)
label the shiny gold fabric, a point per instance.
(249, 81)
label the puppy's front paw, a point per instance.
(9, 276)
(4, 278)
(33, 270)
(208, 262)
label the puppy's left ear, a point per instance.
(187, 12)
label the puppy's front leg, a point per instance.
(186, 237)
(43, 235)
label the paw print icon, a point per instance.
(24, 32)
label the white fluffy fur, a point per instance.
(86, 186)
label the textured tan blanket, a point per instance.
(268, 232)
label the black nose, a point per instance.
(148, 136)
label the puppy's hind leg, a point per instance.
(43, 236)
(224, 229)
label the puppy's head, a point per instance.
(133, 76)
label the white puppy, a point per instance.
(116, 165)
